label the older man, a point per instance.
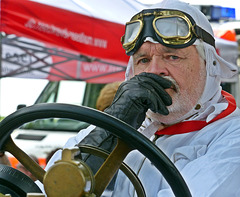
(173, 96)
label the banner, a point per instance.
(65, 39)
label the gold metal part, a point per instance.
(68, 177)
(76, 174)
(60, 177)
(124, 168)
(130, 45)
(24, 159)
(6, 195)
(110, 167)
(197, 107)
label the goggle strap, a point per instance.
(205, 36)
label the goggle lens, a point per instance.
(131, 32)
(172, 27)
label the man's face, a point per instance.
(183, 67)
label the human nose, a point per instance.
(158, 67)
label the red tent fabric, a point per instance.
(81, 41)
(70, 39)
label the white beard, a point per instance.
(182, 102)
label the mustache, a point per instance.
(175, 86)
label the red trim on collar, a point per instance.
(194, 125)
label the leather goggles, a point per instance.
(172, 28)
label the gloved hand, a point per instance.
(132, 100)
(135, 96)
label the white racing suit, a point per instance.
(208, 159)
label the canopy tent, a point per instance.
(65, 39)
(71, 39)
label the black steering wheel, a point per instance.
(120, 129)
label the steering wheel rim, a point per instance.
(125, 132)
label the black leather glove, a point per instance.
(135, 96)
(132, 100)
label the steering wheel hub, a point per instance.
(67, 172)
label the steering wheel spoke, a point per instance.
(24, 159)
(110, 166)
(120, 129)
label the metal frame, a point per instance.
(40, 55)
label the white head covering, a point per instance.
(216, 66)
